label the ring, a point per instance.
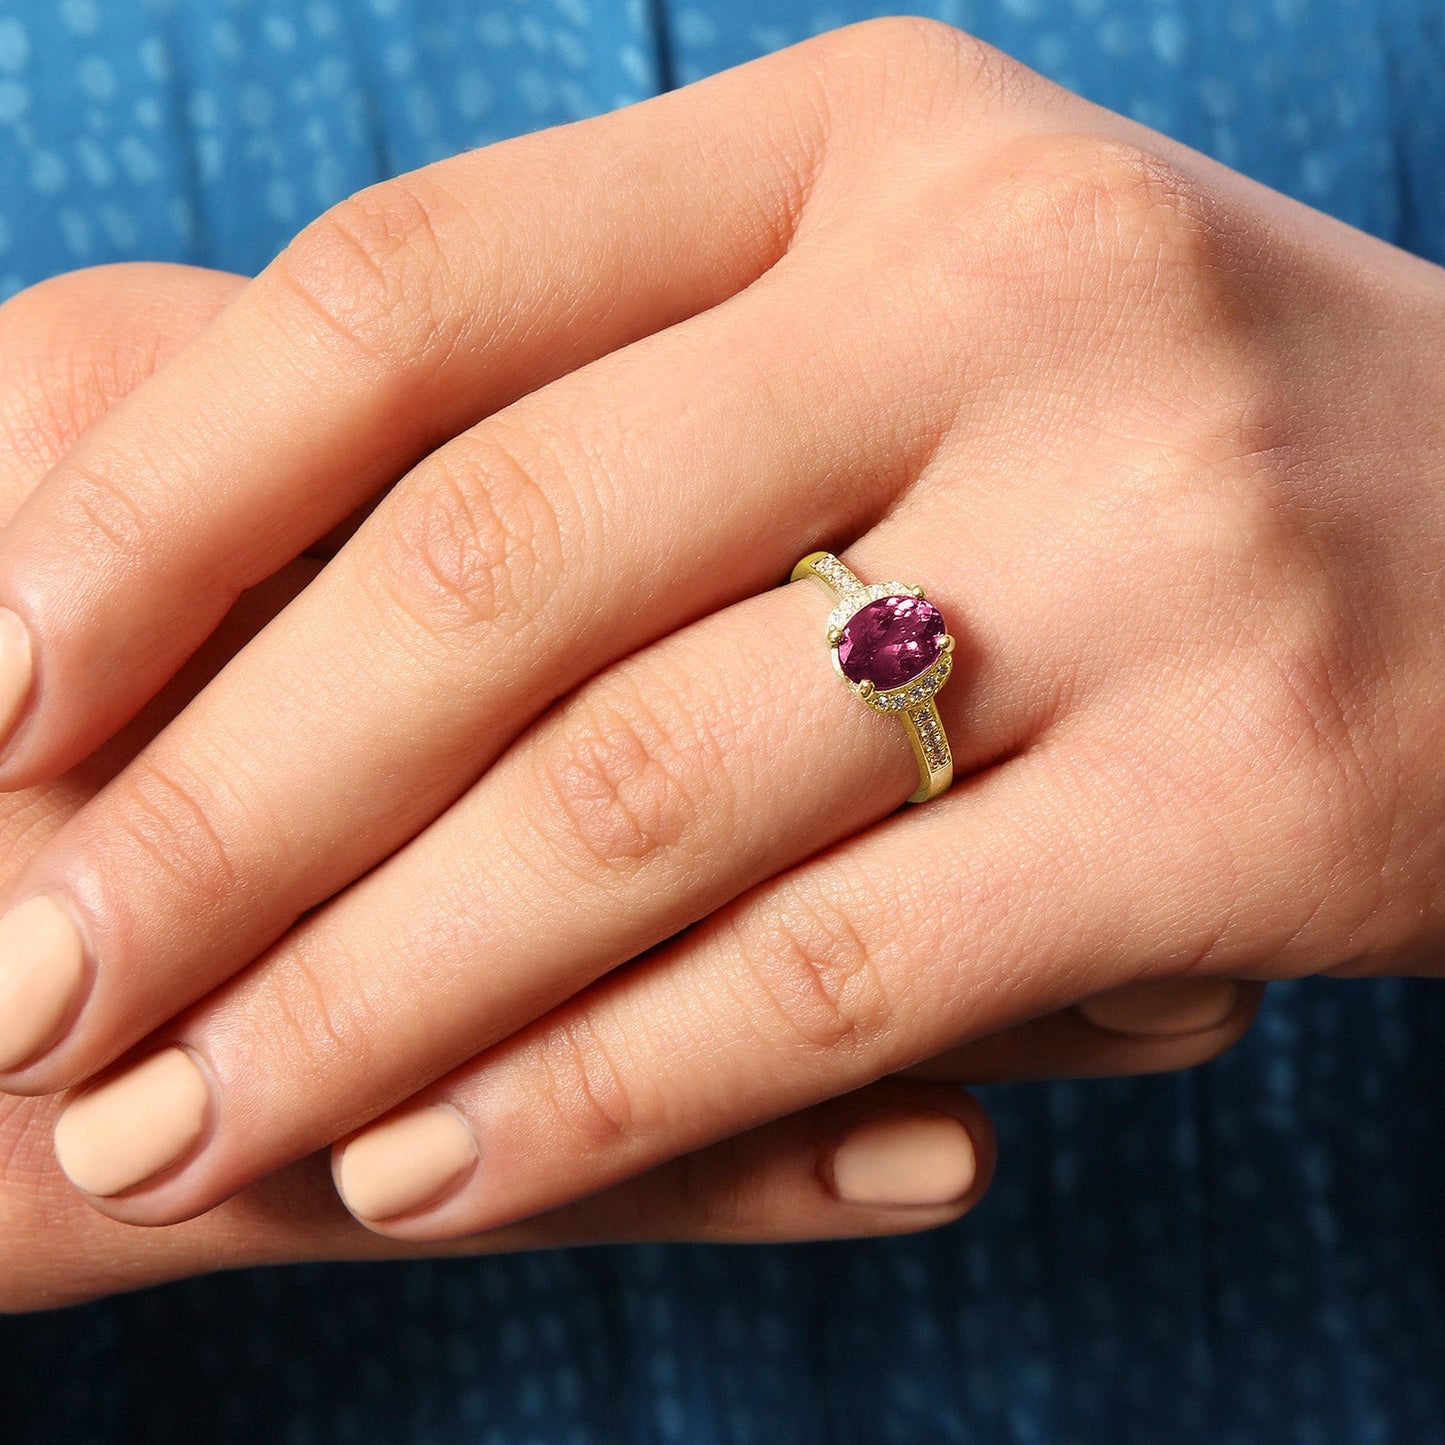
(892, 648)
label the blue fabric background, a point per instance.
(1249, 1254)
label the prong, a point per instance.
(835, 636)
(866, 689)
(947, 644)
(919, 592)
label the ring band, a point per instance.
(891, 647)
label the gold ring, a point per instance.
(891, 647)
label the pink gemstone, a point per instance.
(891, 641)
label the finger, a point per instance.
(643, 805)
(892, 1158)
(1169, 1007)
(1149, 1028)
(873, 1162)
(70, 349)
(944, 925)
(647, 801)
(393, 322)
(455, 615)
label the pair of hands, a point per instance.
(69, 350)
(1166, 448)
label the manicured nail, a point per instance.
(15, 669)
(42, 968)
(125, 1131)
(905, 1159)
(1163, 1007)
(409, 1161)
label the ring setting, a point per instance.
(892, 647)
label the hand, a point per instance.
(68, 350)
(1092, 394)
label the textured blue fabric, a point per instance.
(1249, 1254)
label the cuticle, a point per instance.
(89, 963)
(466, 1123)
(14, 741)
(213, 1100)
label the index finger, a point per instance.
(393, 322)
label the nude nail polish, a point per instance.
(1158, 1009)
(905, 1159)
(125, 1131)
(42, 970)
(15, 671)
(407, 1162)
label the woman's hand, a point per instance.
(69, 349)
(1165, 447)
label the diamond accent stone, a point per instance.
(839, 577)
(935, 749)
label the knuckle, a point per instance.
(906, 75)
(28, 819)
(1103, 217)
(39, 420)
(167, 816)
(918, 61)
(583, 1089)
(815, 974)
(99, 514)
(317, 1027)
(467, 540)
(72, 346)
(378, 268)
(1211, 503)
(621, 787)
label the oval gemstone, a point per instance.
(891, 641)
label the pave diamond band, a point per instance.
(890, 646)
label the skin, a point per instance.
(70, 349)
(1166, 448)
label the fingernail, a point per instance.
(409, 1161)
(120, 1134)
(905, 1159)
(42, 967)
(15, 670)
(1163, 1007)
